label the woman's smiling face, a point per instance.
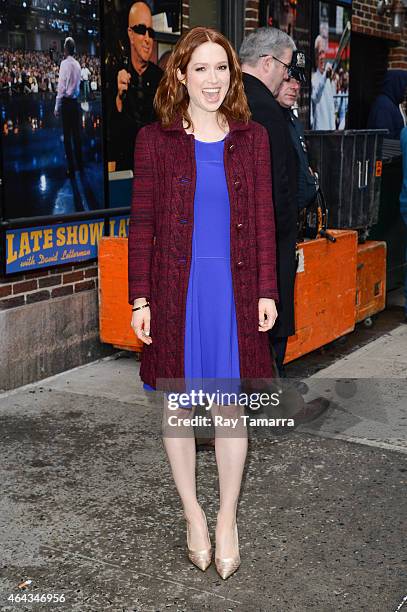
(208, 77)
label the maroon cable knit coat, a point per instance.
(160, 242)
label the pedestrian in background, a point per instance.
(307, 188)
(287, 98)
(266, 56)
(385, 112)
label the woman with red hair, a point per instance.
(202, 274)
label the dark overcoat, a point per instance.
(160, 242)
(268, 112)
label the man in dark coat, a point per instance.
(287, 97)
(136, 87)
(266, 55)
(385, 112)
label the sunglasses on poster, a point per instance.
(141, 29)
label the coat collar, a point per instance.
(251, 81)
(177, 126)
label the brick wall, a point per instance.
(185, 15)
(39, 285)
(251, 18)
(398, 55)
(365, 20)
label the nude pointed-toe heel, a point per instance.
(227, 566)
(201, 558)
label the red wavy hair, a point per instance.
(172, 99)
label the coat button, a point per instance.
(231, 147)
(240, 264)
(238, 184)
(239, 226)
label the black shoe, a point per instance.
(311, 411)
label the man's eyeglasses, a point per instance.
(294, 71)
(286, 66)
(141, 29)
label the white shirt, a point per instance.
(85, 73)
(322, 103)
(69, 80)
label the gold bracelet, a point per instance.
(140, 307)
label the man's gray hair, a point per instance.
(69, 45)
(264, 41)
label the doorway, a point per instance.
(366, 77)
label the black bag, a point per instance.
(313, 220)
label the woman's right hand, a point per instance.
(140, 321)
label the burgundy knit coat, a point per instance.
(160, 242)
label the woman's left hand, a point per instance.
(267, 314)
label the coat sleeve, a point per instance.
(141, 223)
(265, 229)
(271, 119)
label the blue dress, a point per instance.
(211, 344)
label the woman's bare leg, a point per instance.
(179, 443)
(231, 451)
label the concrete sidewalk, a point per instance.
(89, 509)
(368, 394)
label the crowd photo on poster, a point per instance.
(51, 109)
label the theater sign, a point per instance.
(36, 247)
(51, 245)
